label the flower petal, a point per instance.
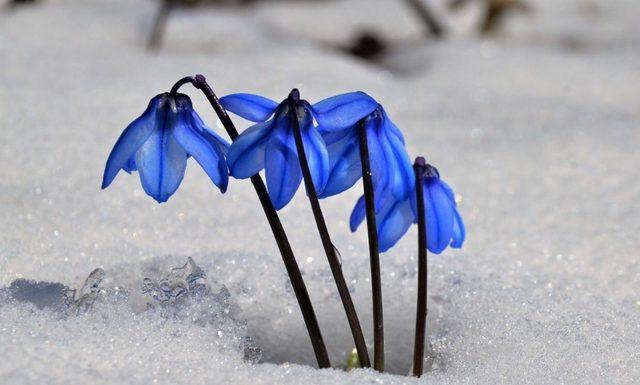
(161, 162)
(247, 153)
(377, 163)
(131, 139)
(394, 224)
(316, 154)
(333, 137)
(449, 192)
(205, 148)
(439, 214)
(357, 214)
(255, 108)
(344, 165)
(215, 138)
(391, 127)
(459, 230)
(130, 166)
(282, 167)
(400, 172)
(343, 111)
(392, 220)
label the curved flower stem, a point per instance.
(329, 248)
(421, 306)
(279, 234)
(374, 254)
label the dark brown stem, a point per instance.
(374, 254)
(421, 306)
(299, 287)
(329, 248)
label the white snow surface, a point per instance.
(537, 131)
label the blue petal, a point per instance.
(344, 165)
(449, 192)
(394, 224)
(343, 111)
(378, 164)
(282, 167)
(440, 218)
(391, 127)
(131, 139)
(393, 220)
(255, 108)
(213, 136)
(459, 231)
(130, 166)
(247, 153)
(205, 148)
(357, 214)
(401, 177)
(161, 162)
(333, 137)
(316, 154)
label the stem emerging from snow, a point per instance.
(279, 234)
(374, 254)
(421, 306)
(329, 248)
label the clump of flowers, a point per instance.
(328, 146)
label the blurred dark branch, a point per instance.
(166, 7)
(427, 17)
(494, 12)
(160, 24)
(16, 3)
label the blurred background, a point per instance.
(529, 108)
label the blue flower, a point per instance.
(444, 223)
(158, 143)
(270, 144)
(390, 165)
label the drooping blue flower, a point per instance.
(270, 144)
(390, 165)
(444, 223)
(158, 143)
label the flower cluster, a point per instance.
(158, 143)
(330, 145)
(270, 144)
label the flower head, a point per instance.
(158, 143)
(443, 221)
(390, 165)
(270, 144)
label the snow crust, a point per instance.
(537, 132)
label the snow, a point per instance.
(537, 131)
